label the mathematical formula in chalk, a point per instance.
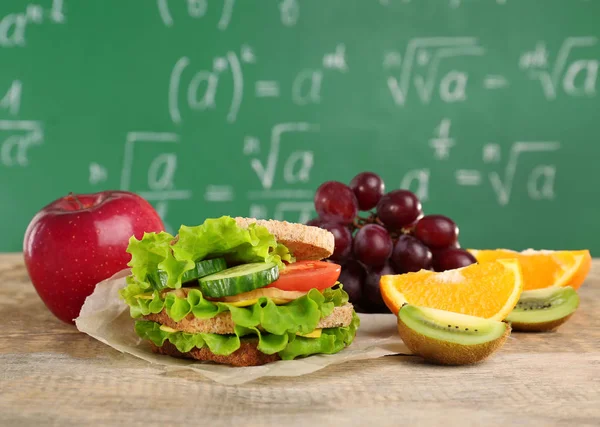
(13, 26)
(540, 179)
(222, 12)
(160, 172)
(572, 69)
(417, 71)
(334, 88)
(294, 170)
(195, 88)
(428, 69)
(17, 136)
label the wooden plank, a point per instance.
(52, 374)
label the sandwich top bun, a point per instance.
(305, 242)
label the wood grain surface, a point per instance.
(51, 374)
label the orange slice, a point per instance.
(489, 290)
(542, 269)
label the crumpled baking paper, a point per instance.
(105, 317)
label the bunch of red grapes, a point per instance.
(394, 238)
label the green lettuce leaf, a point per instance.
(153, 252)
(220, 237)
(182, 340)
(288, 346)
(283, 253)
(267, 343)
(332, 340)
(301, 315)
(223, 237)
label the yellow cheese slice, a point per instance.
(272, 293)
(245, 299)
(167, 329)
(246, 303)
(314, 334)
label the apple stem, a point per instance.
(74, 196)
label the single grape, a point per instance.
(372, 245)
(436, 231)
(315, 222)
(343, 241)
(336, 202)
(436, 251)
(371, 292)
(368, 188)
(449, 259)
(353, 277)
(398, 208)
(410, 255)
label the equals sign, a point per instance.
(266, 89)
(494, 81)
(218, 193)
(468, 177)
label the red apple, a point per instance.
(79, 240)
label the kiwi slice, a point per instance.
(449, 338)
(545, 309)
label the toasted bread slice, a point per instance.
(247, 355)
(222, 323)
(304, 242)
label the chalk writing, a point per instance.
(219, 193)
(280, 194)
(306, 88)
(201, 93)
(468, 177)
(417, 180)
(160, 183)
(292, 211)
(304, 210)
(266, 172)
(162, 209)
(540, 184)
(197, 9)
(11, 101)
(441, 142)
(421, 68)
(97, 173)
(491, 153)
(23, 135)
(258, 211)
(290, 12)
(495, 82)
(337, 59)
(162, 171)
(503, 186)
(577, 77)
(13, 26)
(266, 89)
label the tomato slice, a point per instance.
(306, 275)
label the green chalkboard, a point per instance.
(488, 109)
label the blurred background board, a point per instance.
(487, 109)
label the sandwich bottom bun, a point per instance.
(247, 355)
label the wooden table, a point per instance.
(52, 374)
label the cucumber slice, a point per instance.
(239, 279)
(202, 268)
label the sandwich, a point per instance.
(239, 291)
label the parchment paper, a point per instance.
(105, 317)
